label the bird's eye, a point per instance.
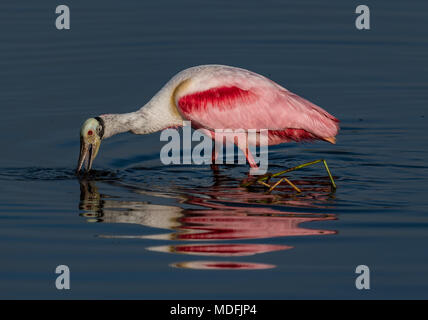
(90, 133)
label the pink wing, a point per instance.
(255, 102)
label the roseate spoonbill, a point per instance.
(218, 97)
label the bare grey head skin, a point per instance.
(91, 134)
(94, 130)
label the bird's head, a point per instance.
(91, 134)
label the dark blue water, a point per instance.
(138, 229)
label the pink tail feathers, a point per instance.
(315, 119)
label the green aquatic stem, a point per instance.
(286, 180)
(267, 177)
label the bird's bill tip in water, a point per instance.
(90, 142)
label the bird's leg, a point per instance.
(242, 144)
(214, 155)
(251, 177)
(250, 158)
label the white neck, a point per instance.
(156, 115)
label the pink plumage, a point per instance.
(233, 98)
(223, 97)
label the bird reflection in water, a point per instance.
(216, 216)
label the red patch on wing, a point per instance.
(228, 265)
(292, 134)
(221, 98)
